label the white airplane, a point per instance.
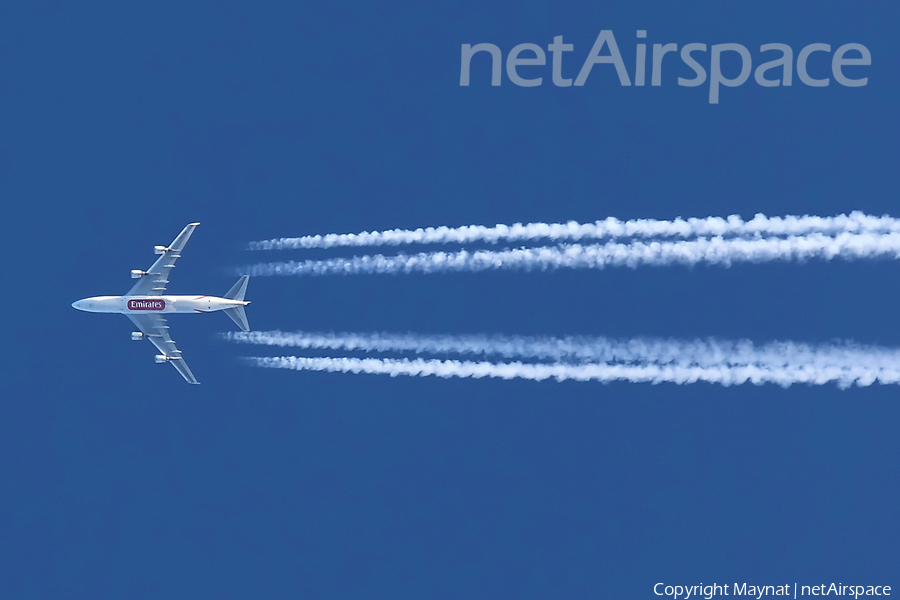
(146, 302)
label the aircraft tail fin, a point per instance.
(237, 314)
(238, 290)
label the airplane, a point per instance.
(147, 302)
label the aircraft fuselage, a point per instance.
(160, 304)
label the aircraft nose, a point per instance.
(77, 304)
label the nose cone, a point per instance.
(78, 304)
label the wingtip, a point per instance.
(195, 223)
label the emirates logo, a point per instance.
(146, 304)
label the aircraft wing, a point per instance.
(154, 326)
(154, 282)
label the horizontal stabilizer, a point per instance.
(238, 315)
(238, 290)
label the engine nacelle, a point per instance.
(160, 249)
(137, 273)
(137, 335)
(160, 358)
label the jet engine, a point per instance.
(160, 358)
(137, 273)
(160, 249)
(137, 335)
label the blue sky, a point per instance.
(122, 123)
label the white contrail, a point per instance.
(717, 250)
(722, 374)
(760, 225)
(703, 353)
